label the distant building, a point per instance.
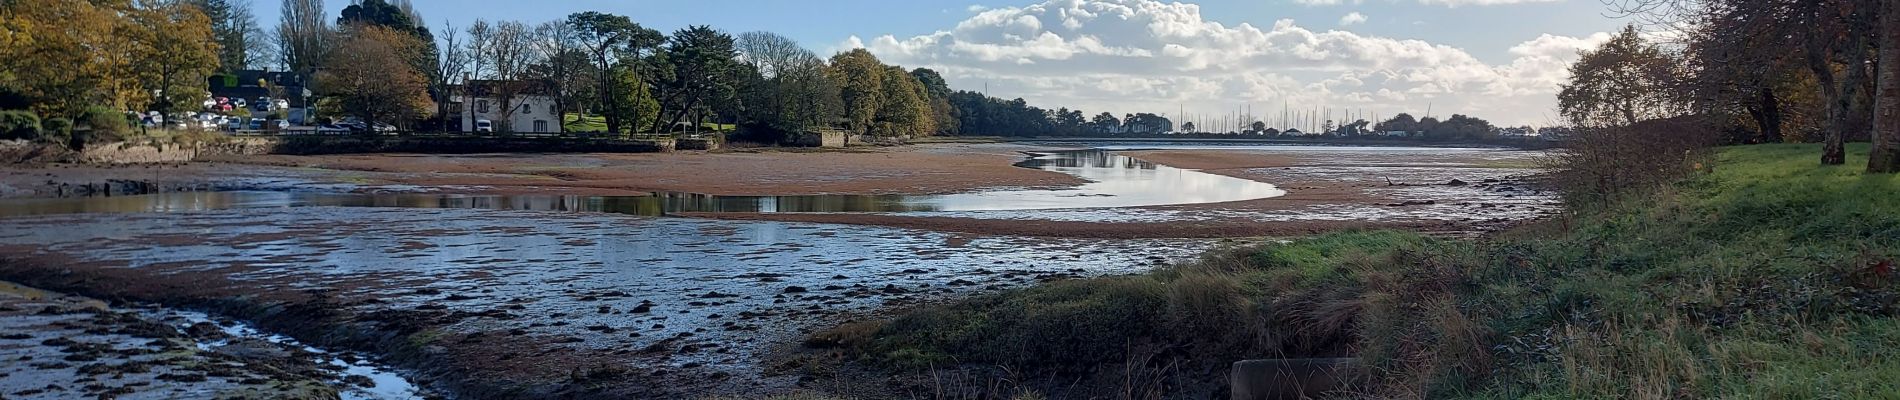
(528, 107)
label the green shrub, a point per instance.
(19, 124)
(56, 130)
(99, 124)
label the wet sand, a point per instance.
(1460, 192)
(934, 169)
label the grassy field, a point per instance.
(1769, 277)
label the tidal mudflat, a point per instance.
(514, 293)
(577, 275)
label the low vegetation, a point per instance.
(1762, 275)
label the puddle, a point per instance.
(1114, 181)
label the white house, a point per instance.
(510, 106)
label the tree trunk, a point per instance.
(1767, 114)
(606, 92)
(1885, 157)
(1836, 110)
(682, 114)
(1834, 151)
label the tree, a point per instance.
(240, 40)
(382, 13)
(904, 110)
(790, 92)
(1105, 123)
(63, 56)
(304, 36)
(1399, 123)
(600, 35)
(400, 17)
(60, 55)
(177, 55)
(1885, 156)
(701, 60)
(860, 78)
(939, 95)
(368, 76)
(562, 65)
(453, 60)
(1624, 81)
(938, 90)
(508, 50)
(1188, 127)
(1146, 123)
(1261, 126)
(638, 107)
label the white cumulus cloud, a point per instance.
(1352, 18)
(1126, 56)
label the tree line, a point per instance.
(1759, 71)
(84, 62)
(378, 61)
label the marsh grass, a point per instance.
(1761, 275)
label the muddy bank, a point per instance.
(1446, 191)
(930, 169)
(1090, 229)
(498, 304)
(64, 346)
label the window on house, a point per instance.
(551, 110)
(527, 108)
(540, 126)
(481, 106)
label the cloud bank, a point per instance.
(1127, 56)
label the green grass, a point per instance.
(1760, 279)
(578, 123)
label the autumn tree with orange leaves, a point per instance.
(369, 76)
(62, 56)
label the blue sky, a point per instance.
(1436, 50)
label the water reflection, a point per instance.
(1114, 181)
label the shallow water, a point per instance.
(1114, 181)
(386, 384)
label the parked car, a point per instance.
(482, 125)
(278, 124)
(256, 124)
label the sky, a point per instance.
(1502, 60)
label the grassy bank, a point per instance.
(1767, 277)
